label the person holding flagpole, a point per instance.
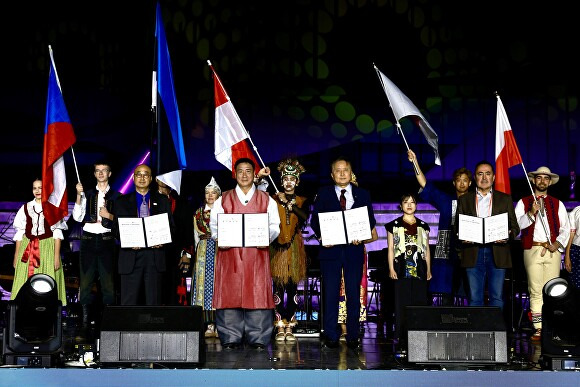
(449, 276)
(37, 245)
(98, 249)
(543, 220)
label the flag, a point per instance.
(403, 107)
(507, 153)
(163, 85)
(58, 137)
(230, 133)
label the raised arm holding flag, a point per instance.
(403, 107)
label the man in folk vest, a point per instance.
(243, 296)
(545, 231)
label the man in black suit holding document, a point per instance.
(349, 256)
(141, 268)
(486, 260)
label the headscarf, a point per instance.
(213, 185)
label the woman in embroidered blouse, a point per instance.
(408, 258)
(206, 252)
(37, 245)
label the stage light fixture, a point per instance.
(560, 326)
(33, 333)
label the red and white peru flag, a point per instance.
(230, 133)
(507, 153)
(58, 137)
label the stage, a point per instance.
(377, 361)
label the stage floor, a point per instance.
(304, 363)
(376, 352)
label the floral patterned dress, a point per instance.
(206, 252)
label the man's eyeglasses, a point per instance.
(142, 175)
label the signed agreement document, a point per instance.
(483, 230)
(243, 230)
(342, 227)
(145, 232)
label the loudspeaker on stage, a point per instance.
(152, 334)
(456, 335)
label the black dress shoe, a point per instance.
(257, 346)
(352, 344)
(330, 343)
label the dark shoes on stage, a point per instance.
(352, 344)
(330, 344)
(231, 346)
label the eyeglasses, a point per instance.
(101, 170)
(142, 175)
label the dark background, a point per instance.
(300, 75)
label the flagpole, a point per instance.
(244, 128)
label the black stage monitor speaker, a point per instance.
(456, 335)
(152, 334)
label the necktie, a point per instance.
(342, 199)
(143, 209)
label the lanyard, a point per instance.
(477, 203)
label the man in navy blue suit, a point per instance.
(348, 257)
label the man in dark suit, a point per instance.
(348, 258)
(142, 268)
(490, 260)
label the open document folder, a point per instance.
(483, 230)
(342, 227)
(144, 232)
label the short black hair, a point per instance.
(462, 171)
(245, 160)
(484, 162)
(408, 195)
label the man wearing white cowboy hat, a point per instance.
(543, 220)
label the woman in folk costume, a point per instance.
(363, 287)
(206, 252)
(37, 245)
(287, 253)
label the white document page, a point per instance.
(157, 229)
(332, 228)
(131, 232)
(496, 228)
(358, 225)
(256, 230)
(230, 230)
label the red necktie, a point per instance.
(342, 199)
